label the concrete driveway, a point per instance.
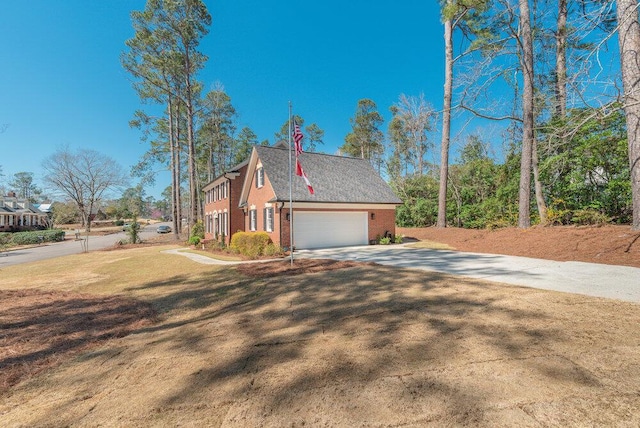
(614, 282)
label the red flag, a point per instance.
(300, 172)
(297, 138)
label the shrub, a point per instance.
(398, 239)
(385, 241)
(37, 237)
(498, 224)
(589, 216)
(215, 245)
(198, 230)
(250, 244)
(194, 240)
(133, 231)
(558, 213)
(272, 250)
(119, 223)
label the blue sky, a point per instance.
(62, 83)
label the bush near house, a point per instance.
(197, 233)
(251, 244)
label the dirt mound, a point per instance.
(614, 245)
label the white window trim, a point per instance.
(253, 220)
(268, 219)
(260, 177)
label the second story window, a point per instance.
(260, 177)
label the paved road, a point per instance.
(615, 282)
(68, 247)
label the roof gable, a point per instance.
(334, 179)
(230, 173)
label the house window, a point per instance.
(225, 224)
(253, 220)
(260, 177)
(225, 190)
(268, 219)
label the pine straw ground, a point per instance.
(393, 347)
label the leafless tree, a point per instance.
(85, 177)
(416, 118)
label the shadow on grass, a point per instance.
(281, 342)
(38, 328)
(352, 326)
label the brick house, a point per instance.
(222, 216)
(352, 205)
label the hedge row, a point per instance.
(35, 237)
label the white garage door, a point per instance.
(329, 229)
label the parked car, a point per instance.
(127, 226)
(163, 228)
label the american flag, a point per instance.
(297, 138)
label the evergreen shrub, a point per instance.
(250, 244)
(37, 237)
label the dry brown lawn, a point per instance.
(359, 345)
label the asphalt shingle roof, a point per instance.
(334, 178)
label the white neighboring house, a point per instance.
(19, 214)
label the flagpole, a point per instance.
(290, 193)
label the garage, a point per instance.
(329, 229)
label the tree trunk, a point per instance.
(629, 39)
(446, 123)
(561, 60)
(560, 101)
(172, 150)
(191, 157)
(526, 61)
(178, 170)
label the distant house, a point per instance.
(20, 214)
(351, 204)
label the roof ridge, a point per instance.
(315, 153)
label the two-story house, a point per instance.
(351, 204)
